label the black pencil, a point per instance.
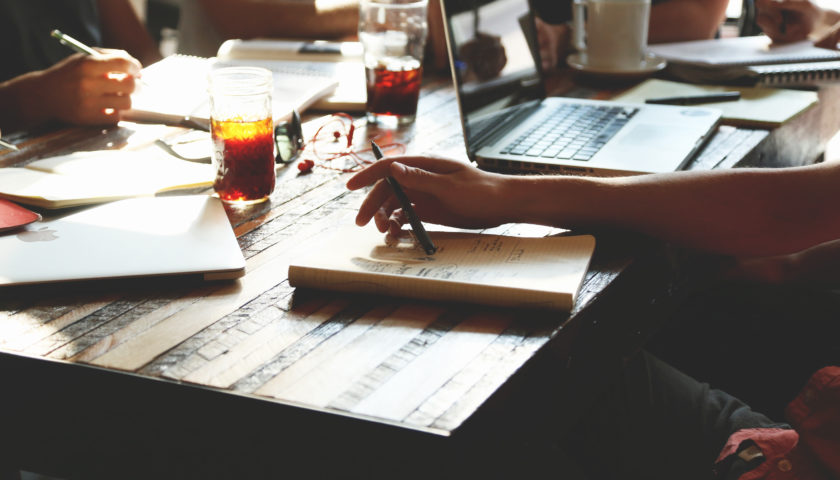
(416, 226)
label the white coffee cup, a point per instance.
(611, 34)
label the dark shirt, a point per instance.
(25, 26)
(559, 11)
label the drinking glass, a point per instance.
(393, 34)
(243, 133)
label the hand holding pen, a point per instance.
(787, 21)
(88, 89)
(417, 228)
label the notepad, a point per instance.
(751, 60)
(509, 271)
(176, 87)
(755, 50)
(758, 107)
(84, 178)
(339, 61)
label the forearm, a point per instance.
(18, 108)
(683, 20)
(265, 18)
(752, 212)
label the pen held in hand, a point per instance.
(696, 99)
(416, 226)
(8, 145)
(73, 43)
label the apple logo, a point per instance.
(44, 234)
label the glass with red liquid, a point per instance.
(242, 130)
(393, 34)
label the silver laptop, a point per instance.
(510, 126)
(129, 238)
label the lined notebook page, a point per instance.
(538, 272)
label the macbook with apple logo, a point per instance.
(139, 237)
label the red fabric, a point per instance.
(815, 414)
(812, 450)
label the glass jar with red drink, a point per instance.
(242, 130)
(393, 34)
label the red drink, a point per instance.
(243, 153)
(393, 92)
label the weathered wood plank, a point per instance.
(23, 330)
(261, 347)
(412, 385)
(323, 374)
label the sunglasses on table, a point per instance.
(192, 146)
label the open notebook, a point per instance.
(510, 271)
(176, 87)
(83, 178)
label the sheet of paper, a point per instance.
(758, 107)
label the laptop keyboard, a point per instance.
(571, 131)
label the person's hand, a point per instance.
(830, 39)
(553, 42)
(444, 192)
(83, 89)
(787, 21)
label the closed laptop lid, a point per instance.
(137, 237)
(495, 64)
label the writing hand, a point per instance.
(83, 89)
(443, 191)
(787, 21)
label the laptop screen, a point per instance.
(495, 61)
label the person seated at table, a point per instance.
(670, 21)
(737, 213)
(793, 20)
(204, 24)
(43, 81)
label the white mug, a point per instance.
(611, 34)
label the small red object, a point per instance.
(306, 165)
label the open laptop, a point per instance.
(510, 126)
(138, 237)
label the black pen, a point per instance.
(416, 226)
(697, 99)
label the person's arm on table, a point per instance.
(672, 21)
(740, 212)
(684, 20)
(80, 89)
(261, 18)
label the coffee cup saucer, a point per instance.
(650, 64)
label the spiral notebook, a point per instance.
(750, 61)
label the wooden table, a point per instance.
(178, 377)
